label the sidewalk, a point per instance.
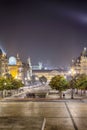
(49, 97)
(67, 96)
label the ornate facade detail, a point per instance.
(15, 67)
(80, 64)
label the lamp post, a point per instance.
(25, 80)
(72, 73)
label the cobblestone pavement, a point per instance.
(65, 115)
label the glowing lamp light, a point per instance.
(72, 72)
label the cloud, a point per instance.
(75, 15)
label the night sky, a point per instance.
(46, 31)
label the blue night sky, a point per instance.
(47, 31)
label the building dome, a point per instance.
(12, 60)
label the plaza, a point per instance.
(45, 115)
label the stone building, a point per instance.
(15, 67)
(80, 63)
(49, 74)
(3, 63)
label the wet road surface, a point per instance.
(31, 115)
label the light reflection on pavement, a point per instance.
(59, 115)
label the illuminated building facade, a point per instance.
(3, 63)
(15, 67)
(80, 64)
(49, 74)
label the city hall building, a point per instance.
(15, 67)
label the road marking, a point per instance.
(74, 124)
(43, 125)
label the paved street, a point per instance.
(67, 115)
(18, 113)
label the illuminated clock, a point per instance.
(12, 60)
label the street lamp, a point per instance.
(72, 73)
(25, 79)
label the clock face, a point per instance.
(12, 60)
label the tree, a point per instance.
(7, 75)
(15, 83)
(43, 79)
(59, 83)
(82, 82)
(73, 85)
(10, 83)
